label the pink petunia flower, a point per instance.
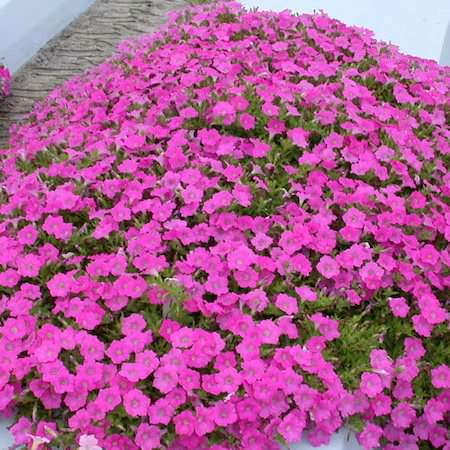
(241, 258)
(287, 303)
(370, 436)
(184, 423)
(136, 403)
(55, 226)
(27, 235)
(224, 413)
(148, 436)
(354, 218)
(403, 415)
(291, 427)
(298, 136)
(166, 379)
(371, 384)
(440, 377)
(399, 307)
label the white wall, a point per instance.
(418, 27)
(27, 25)
(6, 439)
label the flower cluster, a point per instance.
(232, 232)
(5, 82)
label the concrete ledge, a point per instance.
(27, 25)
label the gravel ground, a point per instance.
(85, 43)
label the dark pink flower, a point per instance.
(148, 436)
(370, 436)
(109, 398)
(287, 303)
(371, 384)
(27, 235)
(136, 403)
(185, 423)
(354, 218)
(241, 258)
(299, 136)
(224, 413)
(166, 379)
(403, 415)
(161, 412)
(328, 267)
(440, 377)
(399, 306)
(291, 427)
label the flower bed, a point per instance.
(233, 231)
(5, 82)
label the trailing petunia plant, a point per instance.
(5, 81)
(233, 232)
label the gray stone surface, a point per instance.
(86, 42)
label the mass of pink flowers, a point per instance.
(5, 82)
(231, 234)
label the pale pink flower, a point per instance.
(88, 442)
